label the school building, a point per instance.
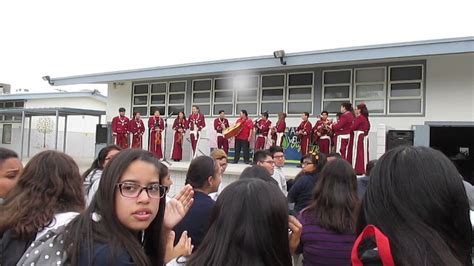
(425, 86)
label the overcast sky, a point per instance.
(64, 38)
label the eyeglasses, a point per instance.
(132, 190)
(278, 156)
(306, 163)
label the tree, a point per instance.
(45, 126)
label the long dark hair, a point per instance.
(249, 226)
(416, 197)
(49, 184)
(363, 110)
(200, 169)
(258, 172)
(84, 233)
(98, 163)
(335, 199)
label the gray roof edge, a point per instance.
(455, 45)
(26, 96)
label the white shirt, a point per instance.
(280, 178)
(59, 219)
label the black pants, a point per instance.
(239, 144)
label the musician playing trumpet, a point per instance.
(263, 127)
(322, 132)
(156, 125)
(220, 124)
(179, 126)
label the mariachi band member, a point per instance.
(196, 123)
(242, 140)
(359, 141)
(180, 125)
(220, 124)
(120, 129)
(322, 133)
(137, 128)
(342, 129)
(304, 133)
(278, 131)
(156, 126)
(263, 128)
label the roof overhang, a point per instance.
(362, 53)
(29, 112)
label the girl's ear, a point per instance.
(210, 179)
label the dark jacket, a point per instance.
(302, 191)
(12, 248)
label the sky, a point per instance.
(66, 38)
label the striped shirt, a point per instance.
(324, 247)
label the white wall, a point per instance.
(118, 96)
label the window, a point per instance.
(247, 94)
(202, 95)
(273, 93)
(223, 95)
(7, 134)
(369, 87)
(140, 98)
(405, 89)
(176, 97)
(300, 93)
(337, 85)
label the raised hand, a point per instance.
(183, 248)
(178, 206)
(294, 237)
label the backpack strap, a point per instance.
(383, 246)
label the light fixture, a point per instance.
(280, 54)
(48, 79)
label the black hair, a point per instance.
(260, 156)
(248, 226)
(274, 149)
(265, 114)
(200, 169)
(121, 109)
(197, 107)
(417, 199)
(324, 112)
(317, 160)
(334, 200)
(306, 114)
(7, 154)
(243, 111)
(258, 172)
(334, 154)
(83, 233)
(221, 111)
(363, 110)
(98, 163)
(347, 106)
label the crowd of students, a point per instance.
(412, 210)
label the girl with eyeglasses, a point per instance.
(126, 222)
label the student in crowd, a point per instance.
(48, 195)
(299, 196)
(249, 230)
(10, 169)
(258, 172)
(417, 200)
(165, 179)
(221, 158)
(126, 222)
(279, 158)
(92, 175)
(329, 220)
(264, 158)
(363, 182)
(204, 175)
